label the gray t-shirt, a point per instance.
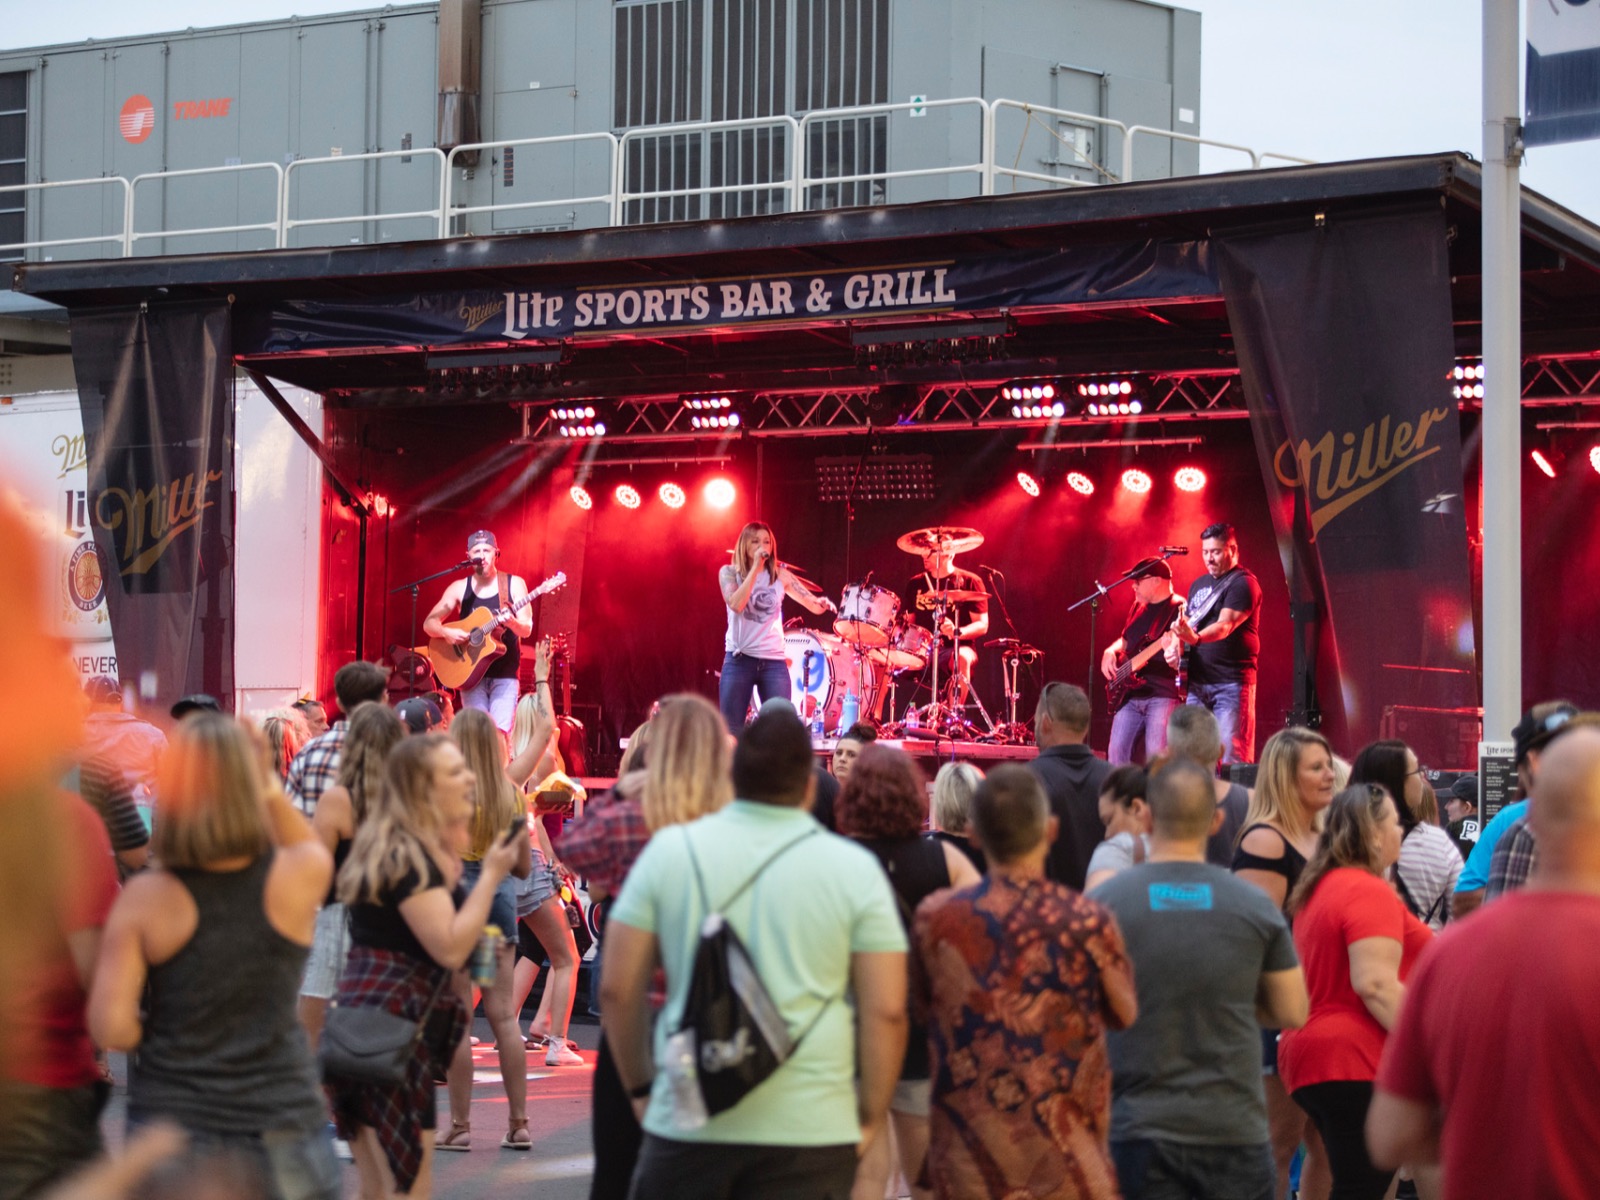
(758, 630)
(1189, 1069)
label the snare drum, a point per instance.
(867, 614)
(821, 670)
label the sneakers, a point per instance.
(561, 1053)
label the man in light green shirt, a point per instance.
(823, 931)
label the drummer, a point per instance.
(923, 593)
(753, 587)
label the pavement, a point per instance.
(558, 1166)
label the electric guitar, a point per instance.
(463, 666)
(1127, 677)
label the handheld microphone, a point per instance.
(1174, 549)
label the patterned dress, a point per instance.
(1021, 980)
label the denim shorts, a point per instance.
(503, 908)
(290, 1164)
(542, 883)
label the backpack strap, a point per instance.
(700, 882)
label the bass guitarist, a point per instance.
(1142, 699)
(487, 587)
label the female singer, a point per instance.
(753, 587)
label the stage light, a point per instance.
(719, 493)
(714, 421)
(1136, 480)
(1594, 458)
(1026, 483)
(627, 496)
(1080, 483)
(1543, 463)
(1189, 479)
(580, 497)
(671, 495)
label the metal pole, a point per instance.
(1502, 366)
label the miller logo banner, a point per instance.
(1345, 349)
(158, 435)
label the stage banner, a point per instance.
(1563, 88)
(1344, 342)
(154, 386)
(546, 310)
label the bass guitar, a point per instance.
(462, 666)
(1127, 678)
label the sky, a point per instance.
(1311, 78)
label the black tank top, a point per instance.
(222, 1050)
(1289, 866)
(504, 667)
(916, 868)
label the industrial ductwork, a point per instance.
(460, 61)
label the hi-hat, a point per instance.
(960, 538)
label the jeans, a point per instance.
(497, 697)
(769, 677)
(287, 1164)
(1155, 1169)
(1234, 706)
(1148, 713)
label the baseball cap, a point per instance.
(419, 713)
(1533, 732)
(103, 689)
(195, 702)
(479, 538)
(1148, 567)
(1464, 788)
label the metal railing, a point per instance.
(794, 185)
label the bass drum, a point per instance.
(867, 615)
(822, 670)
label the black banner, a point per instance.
(153, 384)
(1346, 353)
(1142, 271)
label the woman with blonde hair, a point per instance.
(370, 733)
(1294, 784)
(411, 924)
(1357, 943)
(677, 771)
(202, 957)
(753, 587)
(953, 787)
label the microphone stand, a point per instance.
(413, 588)
(1093, 601)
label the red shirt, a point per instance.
(1501, 1032)
(1342, 1040)
(48, 1036)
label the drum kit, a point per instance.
(872, 647)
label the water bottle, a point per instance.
(683, 1081)
(818, 732)
(849, 711)
(483, 956)
(913, 718)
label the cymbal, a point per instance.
(797, 572)
(926, 541)
(1014, 646)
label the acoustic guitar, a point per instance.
(1127, 678)
(463, 666)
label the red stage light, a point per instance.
(580, 497)
(1190, 479)
(1027, 484)
(1543, 463)
(1135, 480)
(671, 495)
(1080, 483)
(719, 493)
(1594, 458)
(626, 496)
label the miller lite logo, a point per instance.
(137, 119)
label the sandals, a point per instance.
(459, 1137)
(511, 1141)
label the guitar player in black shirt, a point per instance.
(1143, 696)
(1220, 643)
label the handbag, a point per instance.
(371, 1045)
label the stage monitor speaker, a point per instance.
(1442, 738)
(1242, 773)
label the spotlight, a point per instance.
(580, 497)
(671, 495)
(1027, 484)
(1136, 480)
(1594, 458)
(626, 496)
(1543, 463)
(1080, 483)
(719, 493)
(1189, 479)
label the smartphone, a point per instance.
(518, 827)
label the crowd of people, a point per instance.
(1065, 978)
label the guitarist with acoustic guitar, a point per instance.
(495, 692)
(1141, 686)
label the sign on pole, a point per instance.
(1563, 89)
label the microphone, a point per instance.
(868, 580)
(470, 562)
(1174, 549)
